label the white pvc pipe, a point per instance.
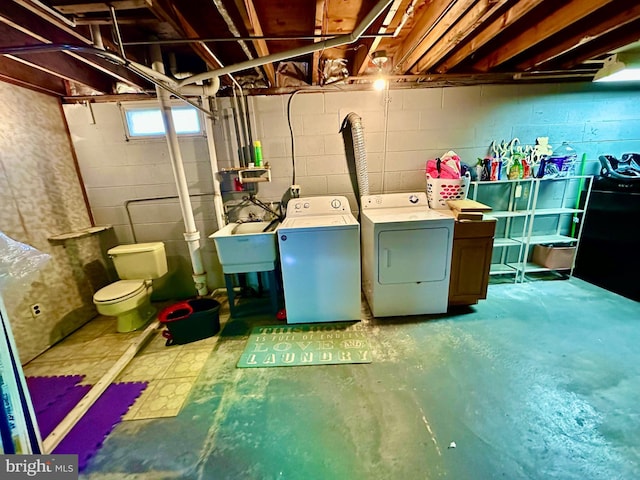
(296, 52)
(191, 236)
(218, 205)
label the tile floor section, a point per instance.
(93, 349)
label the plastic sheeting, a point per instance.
(18, 262)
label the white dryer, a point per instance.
(319, 243)
(406, 255)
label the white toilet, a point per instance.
(129, 299)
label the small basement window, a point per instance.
(146, 122)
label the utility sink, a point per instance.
(246, 247)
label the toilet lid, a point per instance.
(119, 290)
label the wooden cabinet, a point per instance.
(471, 261)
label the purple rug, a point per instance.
(86, 437)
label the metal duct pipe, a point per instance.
(353, 135)
(296, 52)
(191, 236)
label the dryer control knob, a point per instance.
(335, 203)
(414, 199)
(297, 205)
(306, 205)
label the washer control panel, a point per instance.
(395, 200)
(318, 205)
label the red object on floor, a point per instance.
(282, 314)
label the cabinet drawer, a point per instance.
(473, 229)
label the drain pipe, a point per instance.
(191, 236)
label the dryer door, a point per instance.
(411, 256)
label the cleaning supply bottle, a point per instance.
(257, 149)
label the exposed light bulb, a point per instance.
(379, 84)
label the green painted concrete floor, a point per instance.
(539, 381)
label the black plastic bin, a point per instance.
(190, 320)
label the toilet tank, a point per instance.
(139, 261)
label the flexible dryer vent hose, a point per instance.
(353, 135)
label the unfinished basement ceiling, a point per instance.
(454, 42)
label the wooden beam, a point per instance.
(363, 54)
(569, 13)
(514, 14)
(95, 7)
(621, 37)
(55, 63)
(466, 26)
(592, 34)
(179, 22)
(42, 30)
(428, 29)
(319, 27)
(34, 79)
(252, 24)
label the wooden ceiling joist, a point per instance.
(252, 24)
(362, 59)
(510, 17)
(31, 25)
(570, 12)
(180, 23)
(591, 35)
(474, 19)
(65, 66)
(432, 25)
(81, 8)
(23, 75)
(319, 27)
(627, 34)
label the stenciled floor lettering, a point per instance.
(306, 344)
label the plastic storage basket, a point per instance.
(439, 190)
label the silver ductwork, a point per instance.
(353, 136)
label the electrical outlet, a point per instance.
(36, 310)
(295, 191)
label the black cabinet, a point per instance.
(609, 254)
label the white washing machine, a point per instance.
(319, 243)
(406, 255)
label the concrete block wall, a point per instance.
(401, 134)
(418, 124)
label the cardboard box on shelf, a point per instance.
(554, 257)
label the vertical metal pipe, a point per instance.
(191, 236)
(236, 123)
(248, 119)
(116, 29)
(246, 150)
(218, 204)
